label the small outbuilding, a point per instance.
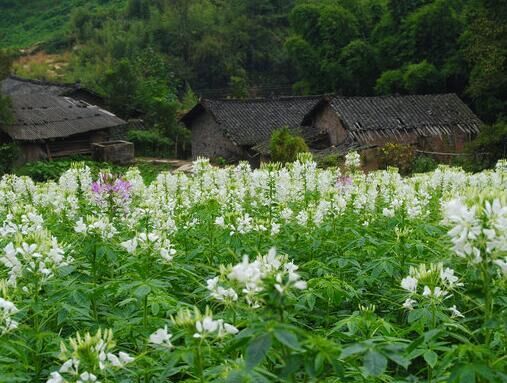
(53, 120)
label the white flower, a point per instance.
(130, 245)
(220, 221)
(87, 377)
(502, 264)
(409, 283)
(426, 291)
(66, 367)
(230, 329)
(55, 377)
(455, 313)
(353, 160)
(301, 285)
(80, 226)
(125, 358)
(161, 337)
(409, 303)
(388, 212)
(115, 361)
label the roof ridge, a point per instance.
(264, 99)
(384, 96)
(44, 82)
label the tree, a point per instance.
(285, 146)
(390, 82)
(422, 78)
(138, 9)
(359, 62)
(321, 33)
(484, 48)
(432, 31)
(489, 146)
(120, 85)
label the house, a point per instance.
(240, 129)
(439, 123)
(52, 120)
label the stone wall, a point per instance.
(116, 152)
(208, 140)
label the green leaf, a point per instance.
(287, 338)
(142, 291)
(430, 357)
(257, 350)
(374, 363)
(351, 350)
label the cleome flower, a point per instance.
(161, 337)
(7, 311)
(479, 232)
(151, 241)
(427, 283)
(89, 357)
(252, 278)
(39, 254)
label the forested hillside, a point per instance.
(149, 55)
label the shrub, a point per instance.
(8, 155)
(286, 146)
(489, 146)
(423, 164)
(397, 155)
(329, 161)
(150, 143)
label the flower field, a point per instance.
(282, 274)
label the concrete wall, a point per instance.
(209, 141)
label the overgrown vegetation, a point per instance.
(285, 146)
(8, 155)
(144, 55)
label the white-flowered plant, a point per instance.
(7, 311)
(479, 232)
(156, 242)
(430, 284)
(37, 254)
(271, 271)
(100, 226)
(353, 160)
(161, 337)
(88, 358)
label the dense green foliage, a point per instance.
(145, 55)
(150, 143)
(5, 67)
(8, 156)
(285, 146)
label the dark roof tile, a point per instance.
(41, 111)
(249, 122)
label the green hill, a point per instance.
(24, 23)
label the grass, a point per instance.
(26, 23)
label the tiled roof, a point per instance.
(367, 118)
(41, 111)
(250, 122)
